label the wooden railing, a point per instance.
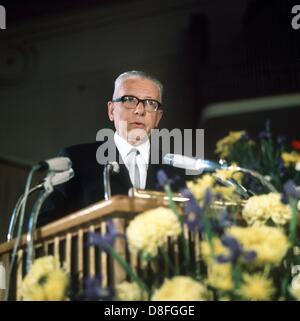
(66, 238)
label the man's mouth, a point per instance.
(138, 124)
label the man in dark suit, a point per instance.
(135, 110)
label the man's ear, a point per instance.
(110, 110)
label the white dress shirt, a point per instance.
(142, 158)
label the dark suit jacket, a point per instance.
(86, 187)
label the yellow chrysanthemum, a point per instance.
(181, 288)
(207, 181)
(199, 187)
(290, 159)
(223, 145)
(258, 209)
(295, 287)
(220, 276)
(230, 173)
(149, 230)
(269, 243)
(227, 192)
(129, 291)
(56, 285)
(209, 252)
(256, 287)
(46, 281)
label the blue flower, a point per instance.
(290, 190)
(225, 220)
(93, 291)
(104, 241)
(207, 197)
(266, 133)
(245, 137)
(281, 140)
(236, 251)
(162, 178)
(193, 212)
(281, 168)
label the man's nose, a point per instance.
(140, 109)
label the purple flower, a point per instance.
(266, 133)
(225, 220)
(193, 212)
(290, 190)
(104, 241)
(281, 140)
(207, 197)
(280, 166)
(162, 178)
(236, 251)
(245, 137)
(93, 291)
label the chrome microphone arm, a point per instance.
(16, 212)
(50, 181)
(257, 175)
(212, 166)
(106, 182)
(203, 165)
(48, 189)
(108, 168)
(239, 189)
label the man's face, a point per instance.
(134, 123)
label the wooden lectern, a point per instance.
(66, 238)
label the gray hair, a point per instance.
(138, 74)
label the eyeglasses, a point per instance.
(131, 102)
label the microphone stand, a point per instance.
(33, 219)
(106, 181)
(16, 212)
(111, 166)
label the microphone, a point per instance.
(62, 177)
(200, 165)
(49, 181)
(190, 163)
(114, 167)
(57, 164)
(56, 179)
(111, 167)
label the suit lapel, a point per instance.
(120, 182)
(151, 181)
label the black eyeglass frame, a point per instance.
(121, 100)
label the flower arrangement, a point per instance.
(247, 248)
(46, 281)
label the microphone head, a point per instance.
(115, 167)
(181, 161)
(195, 166)
(62, 177)
(168, 159)
(57, 164)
